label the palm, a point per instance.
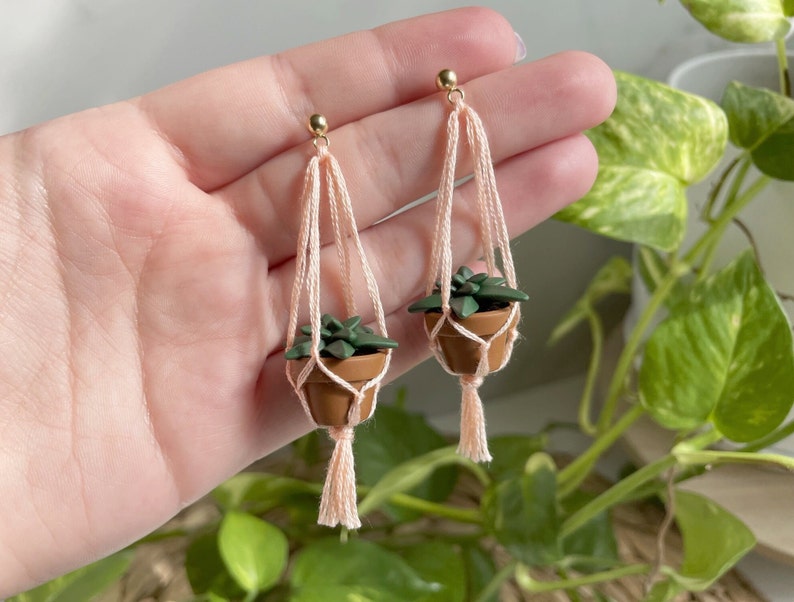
(152, 268)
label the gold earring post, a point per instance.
(318, 125)
(447, 80)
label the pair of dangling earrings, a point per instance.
(336, 365)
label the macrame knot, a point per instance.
(339, 504)
(473, 438)
(341, 433)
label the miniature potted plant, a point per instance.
(351, 351)
(481, 302)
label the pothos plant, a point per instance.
(719, 365)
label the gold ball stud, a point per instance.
(446, 79)
(318, 124)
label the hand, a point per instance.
(147, 251)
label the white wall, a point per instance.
(60, 56)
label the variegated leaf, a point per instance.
(747, 21)
(657, 141)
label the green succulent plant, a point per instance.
(339, 339)
(471, 293)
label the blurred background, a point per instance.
(62, 56)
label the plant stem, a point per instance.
(714, 193)
(572, 593)
(782, 62)
(495, 584)
(732, 209)
(688, 458)
(597, 335)
(616, 494)
(529, 584)
(461, 515)
(570, 477)
(251, 596)
(661, 536)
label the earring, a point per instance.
(335, 366)
(471, 319)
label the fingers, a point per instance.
(395, 157)
(532, 186)
(226, 122)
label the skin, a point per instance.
(147, 256)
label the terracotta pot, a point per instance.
(328, 402)
(462, 354)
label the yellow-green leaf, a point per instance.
(254, 551)
(748, 21)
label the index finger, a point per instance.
(226, 122)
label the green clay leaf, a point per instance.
(428, 303)
(468, 288)
(494, 281)
(352, 322)
(466, 272)
(464, 306)
(458, 280)
(724, 355)
(500, 293)
(340, 349)
(479, 278)
(374, 341)
(714, 540)
(307, 329)
(748, 21)
(657, 142)
(345, 334)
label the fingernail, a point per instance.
(521, 48)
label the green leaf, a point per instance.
(594, 541)
(614, 277)
(81, 585)
(206, 571)
(754, 114)
(396, 436)
(480, 278)
(657, 141)
(327, 564)
(500, 293)
(409, 475)
(265, 491)
(438, 562)
(254, 551)
(464, 306)
(763, 122)
(773, 157)
(480, 571)
(468, 288)
(663, 591)
(430, 302)
(343, 593)
(340, 349)
(788, 8)
(521, 513)
(714, 540)
(725, 355)
(511, 452)
(748, 21)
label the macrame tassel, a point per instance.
(473, 438)
(338, 505)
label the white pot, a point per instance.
(770, 217)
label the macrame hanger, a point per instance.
(338, 504)
(473, 439)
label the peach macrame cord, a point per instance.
(493, 231)
(338, 504)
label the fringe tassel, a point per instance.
(338, 504)
(473, 438)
